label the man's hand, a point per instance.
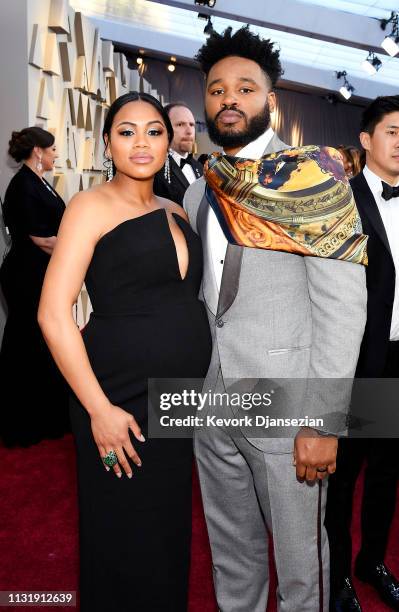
(312, 453)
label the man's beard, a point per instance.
(255, 127)
(183, 147)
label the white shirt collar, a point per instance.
(256, 148)
(177, 157)
(374, 181)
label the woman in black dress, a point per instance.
(34, 395)
(142, 265)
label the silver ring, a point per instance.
(324, 469)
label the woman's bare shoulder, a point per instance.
(172, 207)
(89, 202)
(87, 210)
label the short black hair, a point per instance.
(133, 96)
(243, 43)
(376, 111)
(22, 143)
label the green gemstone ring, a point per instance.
(110, 458)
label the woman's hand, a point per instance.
(110, 428)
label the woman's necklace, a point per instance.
(49, 188)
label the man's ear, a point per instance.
(271, 98)
(365, 140)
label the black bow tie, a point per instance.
(389, 192)
(186, 160)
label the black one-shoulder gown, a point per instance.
(147, 322)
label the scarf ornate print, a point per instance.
(298, 201)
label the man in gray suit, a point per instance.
(272, 315)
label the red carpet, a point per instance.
(38, 529)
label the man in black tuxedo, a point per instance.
(181, 169)
(376, 192)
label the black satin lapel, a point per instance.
(178, 173)
(367, 205)
(230, 278)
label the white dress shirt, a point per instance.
(216, 237)
(389, 211)
(187, 169)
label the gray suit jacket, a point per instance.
(283, 316)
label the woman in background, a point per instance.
(352, 160)
(142, 265)
(34, 395)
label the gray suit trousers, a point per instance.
(249, 494)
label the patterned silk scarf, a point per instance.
(298, 201)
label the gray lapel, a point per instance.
(232, 263)
(202, 215)
(230, 278)
(209, 285)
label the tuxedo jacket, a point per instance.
(283, 316)
(178, 185)
(380, 278)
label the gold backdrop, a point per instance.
(74, 76)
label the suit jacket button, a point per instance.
(220, 323)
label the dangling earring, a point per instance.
(109, 168)
(39, 165)
(166, 171)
